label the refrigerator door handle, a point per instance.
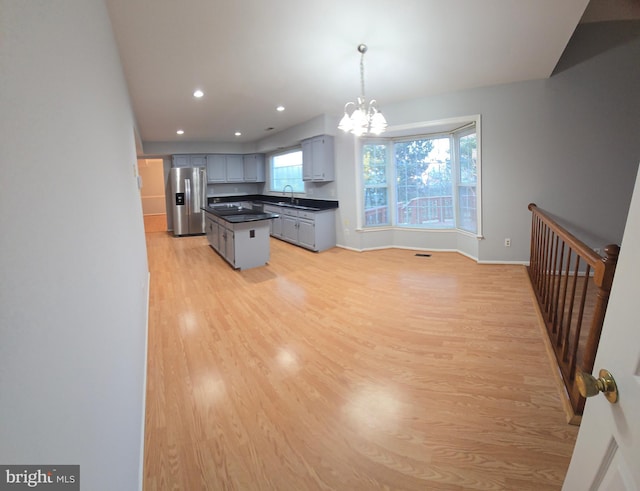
(187, 193)
(196, 193)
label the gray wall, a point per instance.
(73, 269)
(569, 143)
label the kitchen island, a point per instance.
(240, 235)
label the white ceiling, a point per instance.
(249, 56)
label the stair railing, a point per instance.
(572, 285)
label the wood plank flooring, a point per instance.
(155, 223)
(347, 371)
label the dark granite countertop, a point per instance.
(234, 214)
(299, 203)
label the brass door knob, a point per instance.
(589, 386)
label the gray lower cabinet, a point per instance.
(314, 230)
(289, 225)
(275, 228)
(211, 229)
(243, 245)
(230, 245)
(307, 233)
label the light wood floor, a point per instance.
(155, 223)
(347, 371)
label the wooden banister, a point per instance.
(561, 268)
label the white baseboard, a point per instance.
(144, 388)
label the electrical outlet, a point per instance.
(507, 242)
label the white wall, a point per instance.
(73, 269)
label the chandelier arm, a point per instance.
(347, 105)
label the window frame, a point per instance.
(388, 185)
(285, 151)
(463, 126)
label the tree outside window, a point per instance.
(376, 202)
(435, 181)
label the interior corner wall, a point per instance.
(568, 143)
(73, 268)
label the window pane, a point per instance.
(468, 156)
(374, 161)
(467, 198)
(424, 190)
(286, 169)
(376, 202)
(376, 206)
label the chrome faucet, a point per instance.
(284, 191)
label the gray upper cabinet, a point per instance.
(216, 168)
(230, 168)
(254, 167)
(235, 168)
(318, 159)
(189, 161)
(198, 160)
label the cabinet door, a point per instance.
(253, 167)
(250, 168)
(216, 168)
(222, 241)
(290, 228)
(198, 160)
(231, 247)
(209, 229)
(318, 158)
(235, 168)
(307, 161)
(214, 235)
(180, 161)
(307, 233)
(322, 151)
(275, 226)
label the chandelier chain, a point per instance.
(362, 75)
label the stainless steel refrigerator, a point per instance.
(189, 194)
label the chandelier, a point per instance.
(365, 118)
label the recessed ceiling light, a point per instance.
(180, 132)
(280, 108)
(237, 133)
(198, 93)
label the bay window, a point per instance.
(426, 181)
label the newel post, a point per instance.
(603, 279)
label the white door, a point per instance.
(607, 453)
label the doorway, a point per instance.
(152, 195)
